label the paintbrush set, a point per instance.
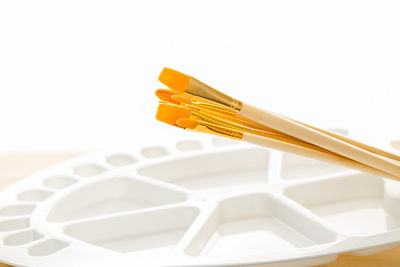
(192, 105)
(208, 201)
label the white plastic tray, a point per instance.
(205, 202)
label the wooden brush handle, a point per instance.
(315, 154)
(321, 139)
(354, 142)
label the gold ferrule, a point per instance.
(206, 103)
(209, 118)
(202, 116)
(222, 112)
(199, 89)
(229, 120)
(210, 106)
(212, 125)
(215, 108)
(206, 127)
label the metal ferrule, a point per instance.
(233, 128)
(216, 108)
(206, 117)
(199, 89)
(194, 106)
(206, 127)
(202, 116)
(209, 105)
(222, 112)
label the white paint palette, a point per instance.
(204, 202)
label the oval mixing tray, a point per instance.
(205, 202)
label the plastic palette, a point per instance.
(204, 202)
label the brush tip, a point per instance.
(166, 95)
(171, 113)
(174, 79)
(187, 123)
(179, 99)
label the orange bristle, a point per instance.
(175, 80)
(179, 98)
(186, 123)
(171, 113)
(166, 95)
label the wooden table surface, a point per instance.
(16, 165)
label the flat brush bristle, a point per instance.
(182, 99)
(166, 95)
(171, 113)
(174, 79)
(186, 123)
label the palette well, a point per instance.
(203, 202)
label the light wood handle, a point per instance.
(321, 139)
(315, 154)
(354, 142)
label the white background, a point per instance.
(82, 74)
